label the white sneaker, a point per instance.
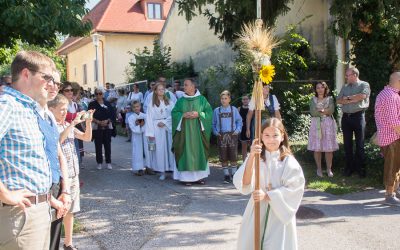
(392, 200)
(98, 166)
(162, 177)
(109, 166)
(397, 192)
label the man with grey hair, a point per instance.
(387, 117)
(191, 131)
(354, 98)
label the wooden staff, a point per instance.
(259, 105)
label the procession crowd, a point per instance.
(44, 123)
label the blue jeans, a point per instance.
(354, 123)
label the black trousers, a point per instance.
(55, 231)
(354, 124)
(102, 137)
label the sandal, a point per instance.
(70, 247)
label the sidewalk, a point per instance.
(121, 211)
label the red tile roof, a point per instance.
(121, 16)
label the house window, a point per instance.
(154, 11)
(84, 74)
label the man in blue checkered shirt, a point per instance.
(25, 175)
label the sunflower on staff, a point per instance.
(267, 73)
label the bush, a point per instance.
(150, 64)
(294, 99)
(293, 60)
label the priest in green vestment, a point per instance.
(191, 126)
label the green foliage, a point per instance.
(150, 64)
(292, 60)
(293, 57)
(7, 55)
(39, 22)
(294, 100)
(373, 28)
(213, 81)
(183, 70)
(227, 16)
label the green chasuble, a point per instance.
(191, 144)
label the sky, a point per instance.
(91, 3)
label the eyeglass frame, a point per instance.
(44, 76)
(68, 90)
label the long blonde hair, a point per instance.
(284, 147)
(156, 101)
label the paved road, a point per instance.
(122, 211)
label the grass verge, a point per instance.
(78, 228)
(338, 184)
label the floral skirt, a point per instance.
(322, 135)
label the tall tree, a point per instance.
(8, 54)
(373, 27)
(227, 16)
(40, 21)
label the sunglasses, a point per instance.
(46, 77)
(99, 93)
(67, 90)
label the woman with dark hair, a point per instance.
(71, 90)
(103, 117)
(322, 135)
(135, 95)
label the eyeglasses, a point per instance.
(99, 93)
(67, 90)
(348, 75)
(46, 77)
(58, 84)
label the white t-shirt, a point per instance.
(277, 106)
(135, 97)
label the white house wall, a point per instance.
(196, 40)
(116, 54)
(85, 55)
(314, 28)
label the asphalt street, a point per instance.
(122, 211)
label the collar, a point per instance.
(388, 87)
(21, 97)
(272, 155)
(192, 96)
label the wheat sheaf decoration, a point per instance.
(258, 42)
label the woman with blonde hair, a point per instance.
(159, 130)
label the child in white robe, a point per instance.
(136, 123)
(281, 190)
(159, 130)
